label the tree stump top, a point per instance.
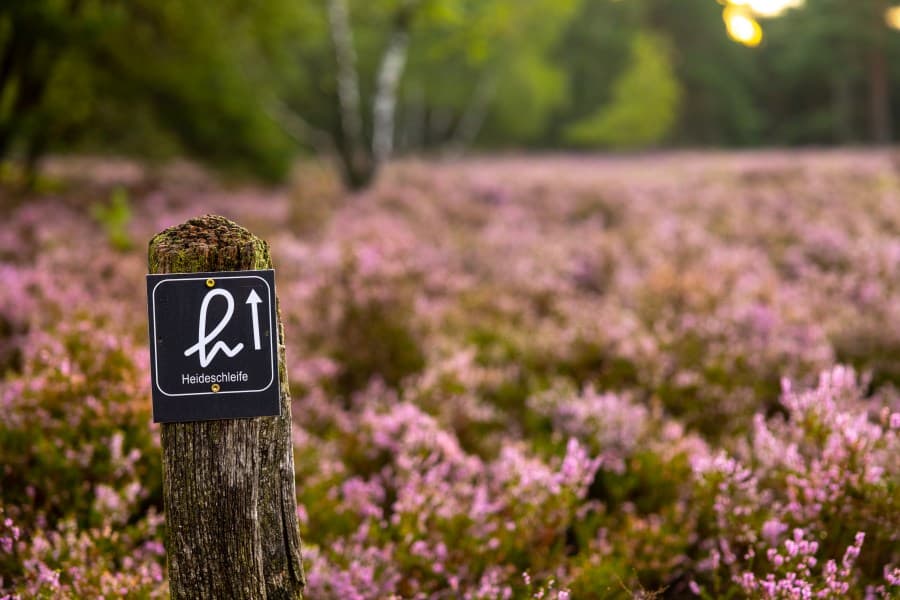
(207, 243)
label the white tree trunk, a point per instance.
(347, 75)
(385, 105)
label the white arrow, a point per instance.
(253, 300)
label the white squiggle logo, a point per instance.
(203, 338)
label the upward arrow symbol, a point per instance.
(253, 300)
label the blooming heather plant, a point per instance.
(791, 518)
(515, 378)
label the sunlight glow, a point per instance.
(892, 17)
(766, 8)
(742, 27)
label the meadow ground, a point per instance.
(513, 377)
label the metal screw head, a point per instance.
(210, 282)
(216, 387)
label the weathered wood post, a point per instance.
(228, 485)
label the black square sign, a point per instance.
(213, 345)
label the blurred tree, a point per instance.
(879, 86)
(517, 83)
(423, 74)
(105, 75)
(831, 64)
(238, 84)
(825, 73)
(33, 38)
(722, 81)
(813, 74)
(338, 113)
(718, 79)
(644, 104)
(359, 159)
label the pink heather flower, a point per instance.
(155, 547)
(364, 497)
(748, 580)
(419, 548)
(772, 530)
(577, 468)
(852, 552)
(48, 576)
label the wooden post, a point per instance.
(228, 486)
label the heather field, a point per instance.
(669, 375)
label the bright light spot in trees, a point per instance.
(892, 17)
(765, 8)
(742, 27)
(772, 8)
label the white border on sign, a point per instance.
(272, 330)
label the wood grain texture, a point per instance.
(228, 486)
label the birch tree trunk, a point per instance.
(228, 486)
(350, 144)
(385, 104)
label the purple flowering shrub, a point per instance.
(810, 508)
(81, 487)
(420, 508)
(513, 378)
(360, 317)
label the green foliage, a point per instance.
(529, 85)
(148, 78)
(115, 218)
(644, 105)
(526, 94)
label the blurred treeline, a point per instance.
(247, 84)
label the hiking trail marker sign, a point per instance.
(213, 345)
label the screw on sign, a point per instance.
(213, 345)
